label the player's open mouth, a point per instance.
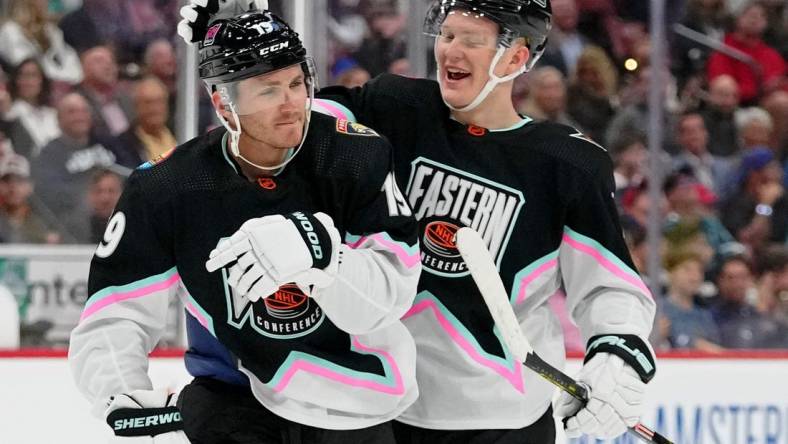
(456, 74)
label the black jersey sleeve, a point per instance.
(132, 280)
(386, 103)
(379, 263)
(605, 293)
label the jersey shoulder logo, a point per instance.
(444, 199)
(580, 136)
(354, 129)
(157, 160)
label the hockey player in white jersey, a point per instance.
(312, 258)
(541, 195)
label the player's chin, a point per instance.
(455, 99)
(289, 136)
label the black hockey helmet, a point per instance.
(248, 45)
(238, 49)
(528, 19)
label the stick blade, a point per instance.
(482, 267)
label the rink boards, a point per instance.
(736, 399)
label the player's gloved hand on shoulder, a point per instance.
(616, 370)
(198, 13)
(146, 417)
(268, 252)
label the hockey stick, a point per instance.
(482, 267)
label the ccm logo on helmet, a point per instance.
(309, 230)
(274, 48)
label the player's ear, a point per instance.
(221, 107)
(519, 56)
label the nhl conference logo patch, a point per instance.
(439, 239)
(444, 198)
(354, 129)
(286, 314)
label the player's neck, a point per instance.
(258, 153)
(492, 113)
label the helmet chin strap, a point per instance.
(235, 134)
(493, 81)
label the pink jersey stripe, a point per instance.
(197, 315)
(115, 298)
(326, 105)
(610, 266)
(514, 377)
(312, 367)
(409, 259)
(531, 277)
(392, 363)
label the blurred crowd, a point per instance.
(88, 90)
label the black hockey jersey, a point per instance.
(340, 359)
(541, 195)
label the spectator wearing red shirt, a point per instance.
(747, 37)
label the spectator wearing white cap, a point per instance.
(20, 222)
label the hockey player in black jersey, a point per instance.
(541, 195)
(312, 258)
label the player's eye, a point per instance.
(267, 92)
(296, 84)
(446, 36)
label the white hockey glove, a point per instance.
(198, 13)
(268, 252)
(616, 369)
(146, 417)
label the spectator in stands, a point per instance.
(385, 43)
(708, 17)
(757, 212)
(14, 133)
(747, 37)
(91, 25)
(776, 33)
(28, 34)
(128, 25)
(634, 118)
(718, 114)
(776, 104)
(20, 221)
(635, 237)
(593, 87)
(346, 25)
(687, 235)
(630, 162)
(161, 63)
(149, 136)
(772, 283)
(689, 202)
(102, 196)
(693, 142)
(690, 327)
(740, 324)
(547, 97)
(348, 73)
(565, 43)
(30, 92)
(755, 127)
(63, 170)
(636, 204)
(110, 107)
